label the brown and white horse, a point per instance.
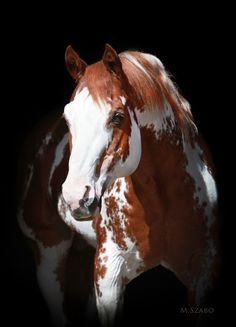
(126, 186)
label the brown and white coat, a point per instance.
(130, 178)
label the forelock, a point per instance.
(98, 81)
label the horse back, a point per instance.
(42, 169)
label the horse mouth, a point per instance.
(81, 217)
(82, 213)
(86, 213)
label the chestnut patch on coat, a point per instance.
(118, 233)
(99, 266)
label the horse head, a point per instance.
(104, 137)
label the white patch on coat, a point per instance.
(164, 76)
(59, 153)
(121, 263)
(133, 261)
(50, 258)
(48, 281)
(123, 100)
(131, 255)
(205, 193)
(158, 120)
(84, 228)
(205, 186)
(109, 295)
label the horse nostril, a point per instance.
(92, 204)
(86, 194)
(88, 198)
(86, 202)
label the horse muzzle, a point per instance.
(86, 210)
(80, 199)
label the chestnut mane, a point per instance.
(154, 86)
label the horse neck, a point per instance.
(162, 146)
(157, 119)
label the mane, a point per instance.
(151, 84)
(153, 87)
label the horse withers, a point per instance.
(120, 183)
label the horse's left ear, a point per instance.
(111, 60)
(74, 64)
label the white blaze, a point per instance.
(90, 136)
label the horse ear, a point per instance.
(74, 64)
(111, 60)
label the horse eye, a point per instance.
(117, 118)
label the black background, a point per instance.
(193, 45)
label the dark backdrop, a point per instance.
(192, 45)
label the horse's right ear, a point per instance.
(74, 64)
(111, 60)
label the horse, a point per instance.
(119, 183)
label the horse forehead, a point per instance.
(83, 99)
(101, 83)
(84, 103)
